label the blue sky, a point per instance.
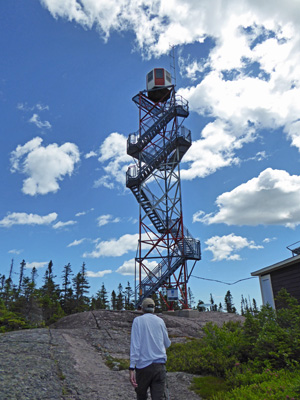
(68, 72)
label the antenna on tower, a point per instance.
(173, 64)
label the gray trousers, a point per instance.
(153, 376)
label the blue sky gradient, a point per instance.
(68, 72)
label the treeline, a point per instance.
(24, 304)
(48, 303)
(247, 305)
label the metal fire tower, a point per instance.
(165, 245)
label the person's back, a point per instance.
(149, 340)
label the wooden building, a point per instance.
(284, 274)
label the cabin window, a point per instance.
(150, 76)
(168, 76)
(159, 73)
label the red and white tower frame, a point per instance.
(165, 245)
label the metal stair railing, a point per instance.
(148, 106)
(188, 245)
(154, 109)
(150, 285)
(154, 213)
(186, 248)
(136, 142)
(135, 176)
(174, 107)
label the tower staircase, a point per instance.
(158, 148)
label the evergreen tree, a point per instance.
(84, 285)
(28, 288)
(255, 310)
(243, 306)
(229, 306)
(81, 286)
(9, 292)
(100, 302)
(11, 268)
(120, 298)
(2, 283)
(67, 292)
(50, 295)
(128, 293)
(22, 266)
(34, 275)
(113, 300)
(213, 306)
(191, 298)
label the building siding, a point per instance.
(288, 278)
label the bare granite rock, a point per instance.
(67, 361)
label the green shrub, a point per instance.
(10, 321)
(212, 355)
(277, 385)
(273, 337)
(259, 359)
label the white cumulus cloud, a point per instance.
(226, 247)
(76, 242)
(39, 264)
(90, 154)
(115, 161)
(114, 247)
(16, 218)
(272, 198)
(36, 120)
(61, 224)
(15, 251)
(44, 166)
(128, 268)
(107, 219)
(98, 274)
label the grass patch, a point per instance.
(208, 386)
(120, 363)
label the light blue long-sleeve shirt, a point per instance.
(149, 341)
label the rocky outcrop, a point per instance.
(67, 361)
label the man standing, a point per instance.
(149, 341)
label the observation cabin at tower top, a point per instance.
(158, 83)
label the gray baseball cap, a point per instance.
(148, 304)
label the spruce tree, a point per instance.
(191, 298)
(120, 298)
(67, 292)
(113, 300)
(100, 302)
(213, 306)
(50, 297)
(81, 286)
(128, 293)
(22, 266)
(229, 306)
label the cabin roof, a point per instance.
(282, 264)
